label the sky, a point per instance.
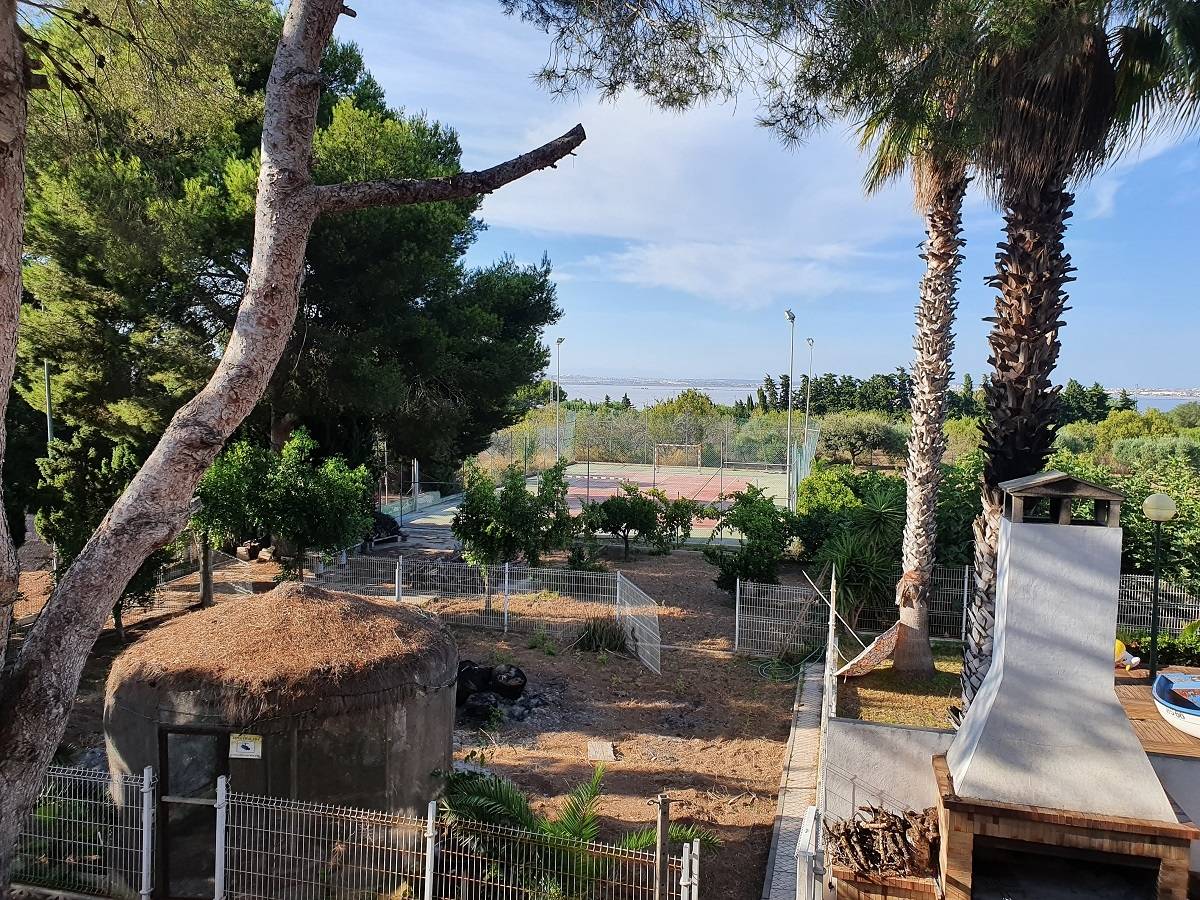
(677, 240)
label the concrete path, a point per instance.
(797, 786)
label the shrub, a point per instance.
(647, 516)
(383, 526)
(499, 522)
(602, 635)
(1143, 452)
(766, 531)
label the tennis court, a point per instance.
(597, 480)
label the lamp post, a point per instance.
(1158, 508)
(791, 317)
(557, 403)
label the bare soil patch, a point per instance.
(709, 732)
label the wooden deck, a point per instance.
(1133, 690)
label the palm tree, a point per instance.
(941, 186)
(895, 81)
(1062, 106)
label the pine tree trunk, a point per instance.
(37, 693)
(1032, 271)
(206, 572)
(930, 385)
(118, 617)
(14, 81)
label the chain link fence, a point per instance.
(626, 435)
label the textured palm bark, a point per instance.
(1032, 271)
(14, 85)
(930, 384)
(36, 696)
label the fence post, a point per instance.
(685, 873)
(660, 847)
(147, 832)
(219, 865)
(966, 599)
(737, 614)
(399, 592)
(506, 598)
(696, 869)
(430, 848)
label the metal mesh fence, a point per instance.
(952, 587)
(559, 603)
(778, 619)
(638, 614)
(477, 860)
(949, 590)
(621, 435)
(288, 850)
(86, 834)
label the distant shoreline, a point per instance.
(647, 391)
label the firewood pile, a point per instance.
(885, 843)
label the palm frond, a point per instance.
(579, 819)
(678, 833)
(490, 799)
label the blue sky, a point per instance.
(677, 240)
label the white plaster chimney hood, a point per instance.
(1046, 728)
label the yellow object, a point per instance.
(1122, 657)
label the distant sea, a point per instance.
(647, 391)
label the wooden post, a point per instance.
(660, 848)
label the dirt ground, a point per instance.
(709, 732)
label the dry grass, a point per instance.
(886, 696)
(288, 649)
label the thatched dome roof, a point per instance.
(293, 651)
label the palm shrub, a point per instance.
(863, 552)
(561, 865)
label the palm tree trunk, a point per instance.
(930, 384)
(1032, 271)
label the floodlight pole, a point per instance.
(791, 317)
(558, 404)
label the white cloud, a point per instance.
(707, 189)
(740, 275)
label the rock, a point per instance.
(508, 681)
(267, 554)
(601, 751)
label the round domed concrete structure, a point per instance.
(298, 693)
